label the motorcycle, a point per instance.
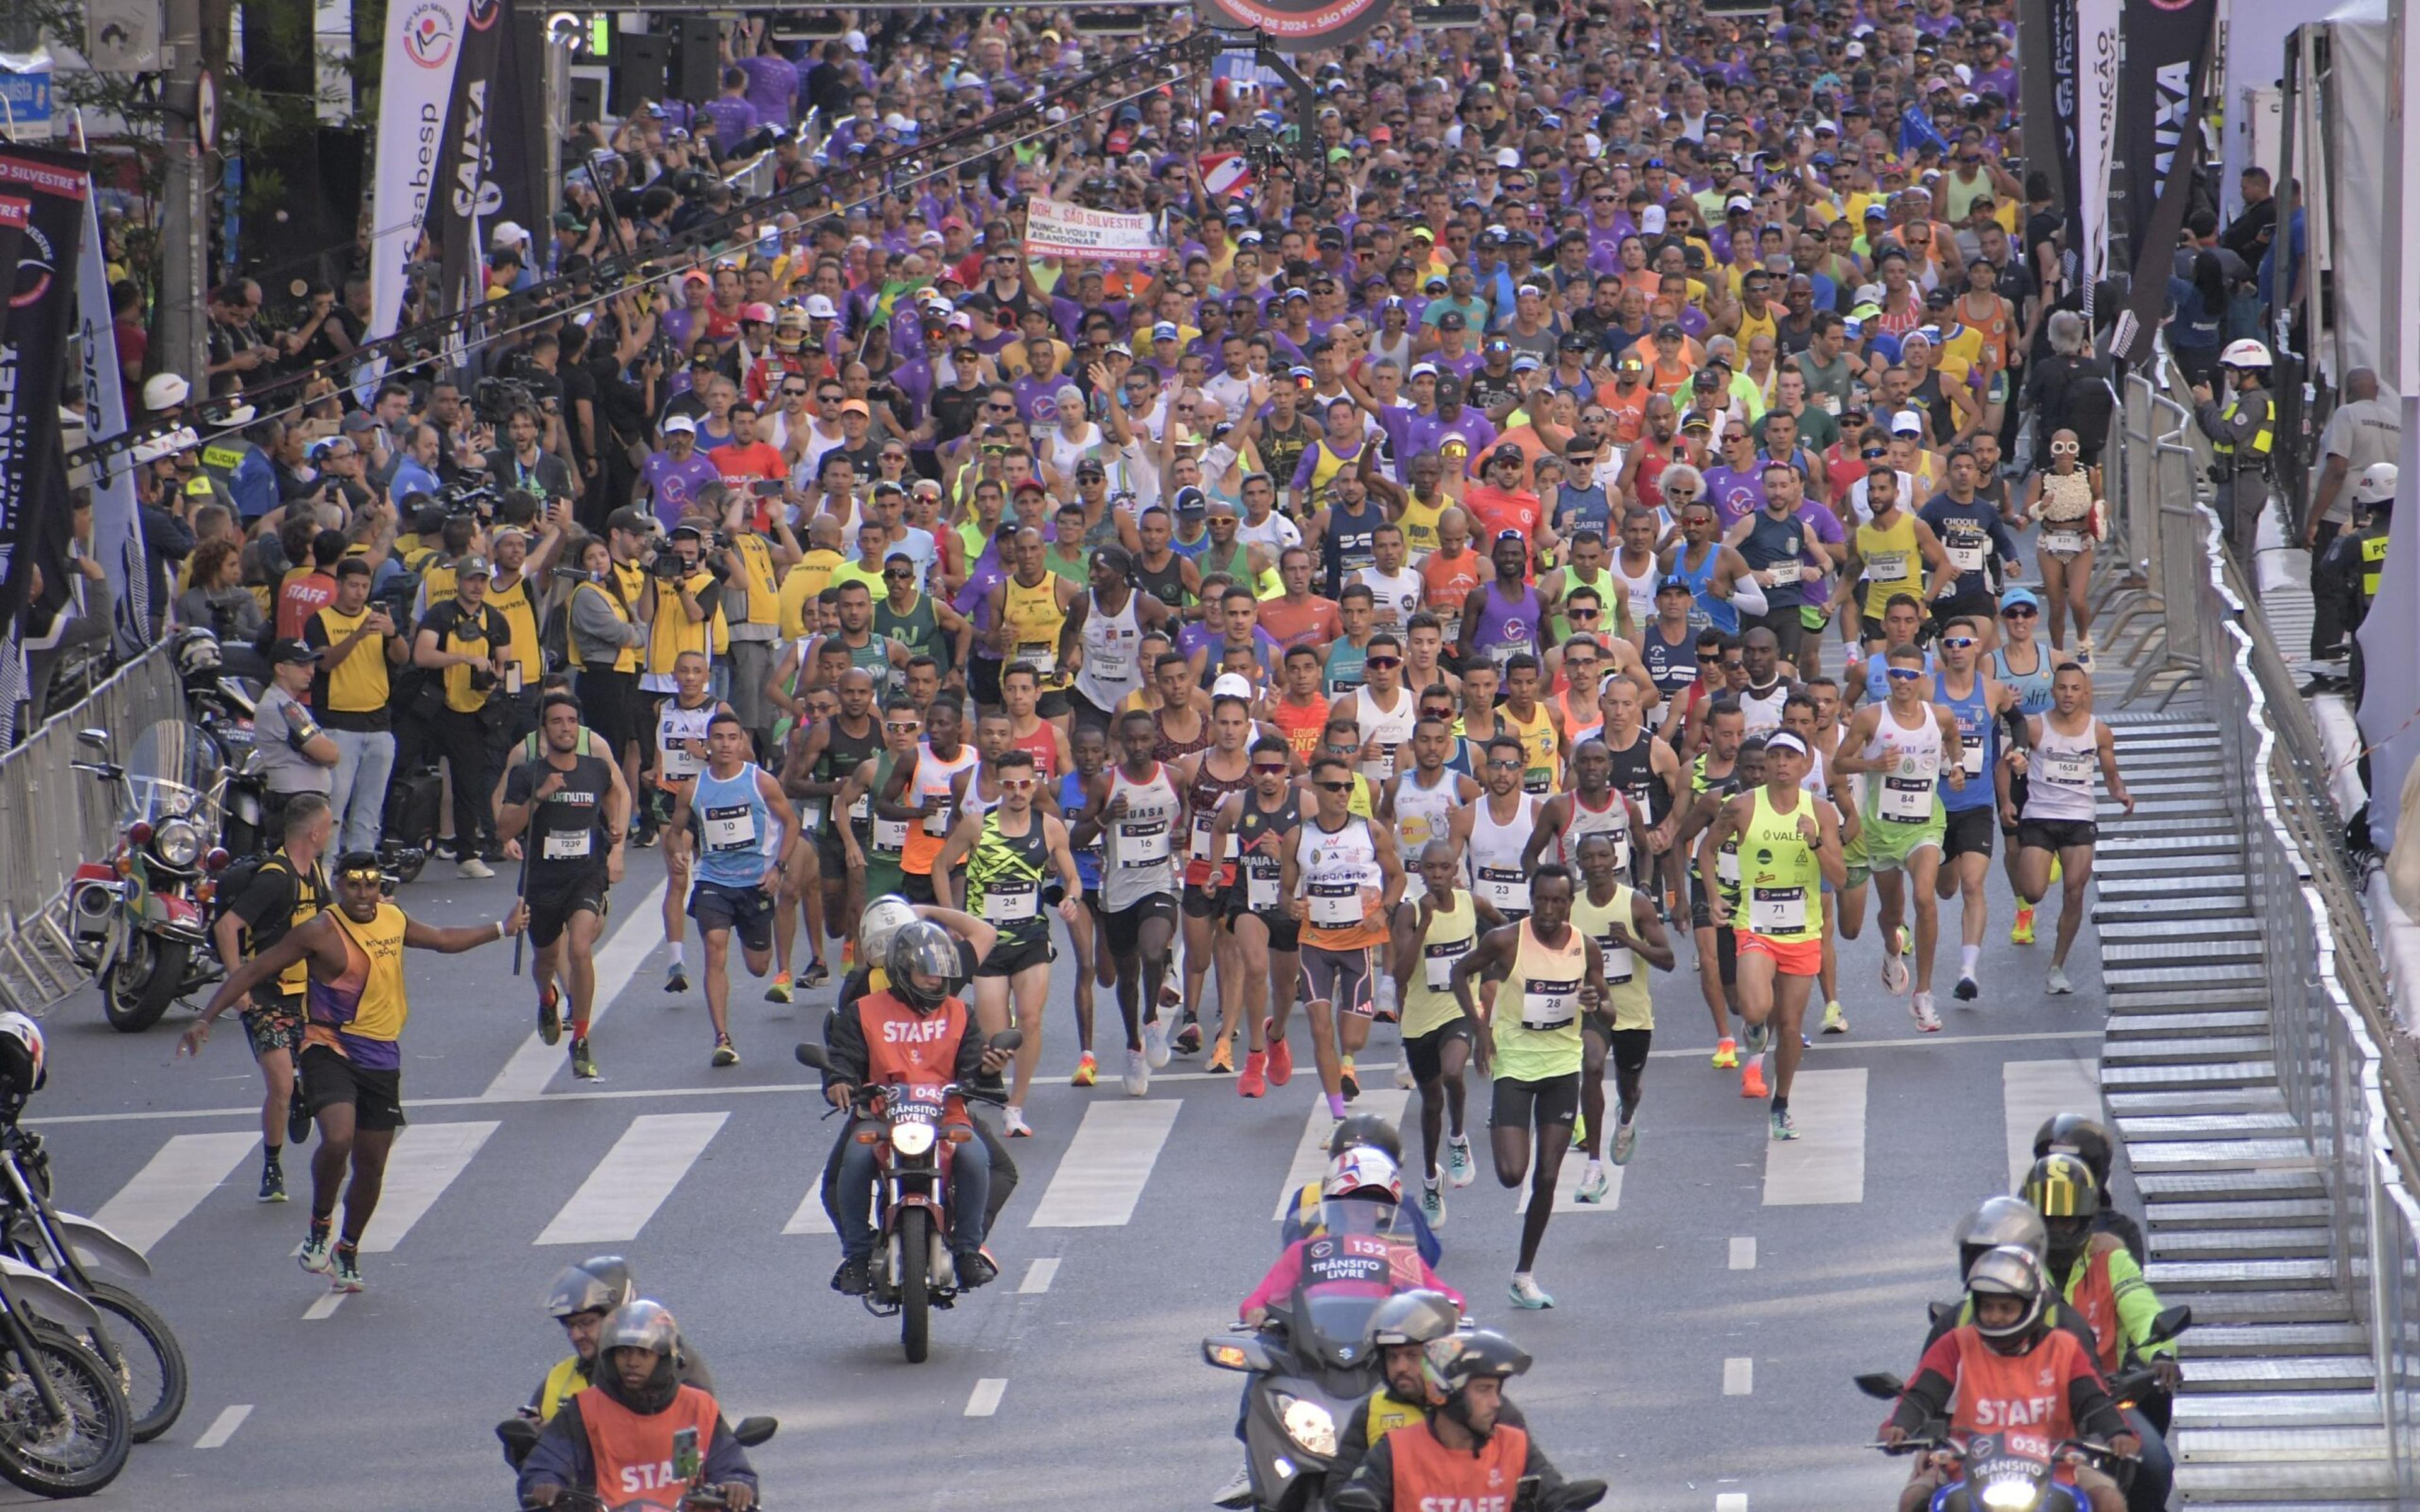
(130, 1338)
(1528, 1495)
(912, 1270)
(136, 920)
(520, 1435)
(1311, 1363)
(64, 1427)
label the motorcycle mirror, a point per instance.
(1576, 1496)
(2169, 1323)
(1355, 1499)
(752, 1431)
(519, 1435)
(1881, 1385)
(1937, 1311)
(97, 739)
(813, 1056)
(1008, 1039)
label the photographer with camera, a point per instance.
(611, 613)
(754, 547)
(687, 589)
(464, 641)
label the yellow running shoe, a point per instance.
(1834, 1021)
(1726, 1054)
(1579, 1129)
(2022, 932)
(1087, 1071)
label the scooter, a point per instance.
(912, 1270)
(137, 919)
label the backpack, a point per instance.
(237, 879)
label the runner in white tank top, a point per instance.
(1139, 860)
(1495, 852)
(1390, 729)
(1113, 654)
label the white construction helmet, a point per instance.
(164, 390)
(2377, 484)
(2245, 352)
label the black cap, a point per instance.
(1671, 329)
(292, 654)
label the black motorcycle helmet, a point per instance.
(1366, 1131)
(2077, 1134)
(2061, 1188)
(921, 948)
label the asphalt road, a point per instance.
(1707, 1323)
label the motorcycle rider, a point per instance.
(1362, 1131)
(2080, 1135)
(2096, 1274)
(1463, 1452)
(616, 1438)
(1400, 1330)
(1998, 1221)
(914, 1028)
(1361, 1174)
(581, 1298)
(1984, 1374)
(287, 887)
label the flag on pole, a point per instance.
(1227, 174)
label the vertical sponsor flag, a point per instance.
(466, 196)
(424, 47)
(116, 539)
(2160, 96)
(42, 208)
(2099, 48)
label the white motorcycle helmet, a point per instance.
(883, 918)
(2245, 352)
(24, 1056)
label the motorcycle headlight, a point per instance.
(177, 842)
(911, 1138)
(1307, 1423)
(2012, 1496)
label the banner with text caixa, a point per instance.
(423, 45)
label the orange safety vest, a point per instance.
(2095, 1296)
(1430, 1477)
(2019, 1394)
(904, 1048)
(634, 1454)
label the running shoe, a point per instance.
(1138, 1073)
(1281, 1056)
(779, 991)
(1579, 1129)
(1460, 1169)
(1351, 1084)
(1432, 1204)
(2022, 932)
(1895, 972)
(1236, 1493)
(1254, 1079)
(298, 1117)
(1013, 1125)
(1222, 1059)
(1966, 991)
(550, 1014)
(272, 1181)
(583, 1064)
(1403, 1074)
(471, 867)
(2057, 868)
(313, 1257)
(1906, 941)
(848, 954)
(1189, 1039)
(1088, 1071)
(1625, 1139)
(1926, 1019)
(2056, 983)
(344, 1269)
(1835, 1021)
(2084, 652)
(1782, 1127)
(647, 837)
(1725, 1053)
(1525, 1292)
(676, 977)
(815, 976)
(1155, 1043)
(726, 1053)
(1752, 1078)
(1594, 1183)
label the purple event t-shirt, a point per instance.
(674, 486)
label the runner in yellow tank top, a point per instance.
(1629, 934)
(1432, 931)
(1537, 734)
(1036, 616)
(1789, 845)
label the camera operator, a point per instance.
(517, 591)
(687, 589)
(527, 466)
(755, 547)
(611, 611)
(464, 639)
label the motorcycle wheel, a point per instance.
(144, 983)
(143, 1355)
(915, 1281)
(79, 1456)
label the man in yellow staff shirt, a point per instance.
(465, 639)
(352, 1062)
(357, 644)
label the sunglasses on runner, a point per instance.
(1956, 642)
(1497, 764)
(1334, 787)
(1268, 768)
(1580, 614)
(908, 728)
(1906, 674)
(1384, 661)
(1016, 784)
(2018, 611)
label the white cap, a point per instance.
(508, 234)
(682, 423)
(820, 307)
(1907, 423)
(2377, 484)
(1508, 157)
(1650, 219)
(164, 390)
(1231, 684)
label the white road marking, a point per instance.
(1310, 1154)
(811, 1217)
(1732, 1502)
(634, 1178)
(223, 1427)
(426, 1160)
(1827, 1163)
(163, 1193)
(1743, 1253)
(2031, 1092)
(1038, 1278)
(1739, 1376)
(1102, 1176)
(325, 1308)
(536, 1062)
(987, 1393)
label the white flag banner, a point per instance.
(1055, 230)
(424, 44)
(2099, 47)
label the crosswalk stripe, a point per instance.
(1311, 1155)
(1732, 1502)
(811, 1217)
(173, 1185)
(634, 1178)
(536, 1062)
(1827, 1163)
(2031, 1092)
(1744, 1252)
(1739, 1376)
(1101, 1176)
(426, 1160)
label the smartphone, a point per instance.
(1525, 1492)
(770, 487)
(685, 1457)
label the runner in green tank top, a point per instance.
(878, 856)
(1433, 929)
(1629, 932)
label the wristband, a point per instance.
(500, 929)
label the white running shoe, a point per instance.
(1013, 1125)
(1525, 1292)
(471, 866)
(1594, 1183)
(1459, 1167)
(2056, 983)
(1433, 1203)
(1625, 1139)
(1894, 973)
(1155, 1043)
(1403, 1076)
(1926, 1019)
(1139, 1072)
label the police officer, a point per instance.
(2241, 431)
(2346, 580)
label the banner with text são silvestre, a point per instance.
(1055, 230)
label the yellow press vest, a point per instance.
(674, 632)
(520, 616)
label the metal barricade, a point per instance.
(752, 180)
(54, 818)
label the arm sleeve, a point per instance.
(845, 1040)
(2138, 1304)
(1747, 596)
(1929, 1389)
(1279, 1282)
